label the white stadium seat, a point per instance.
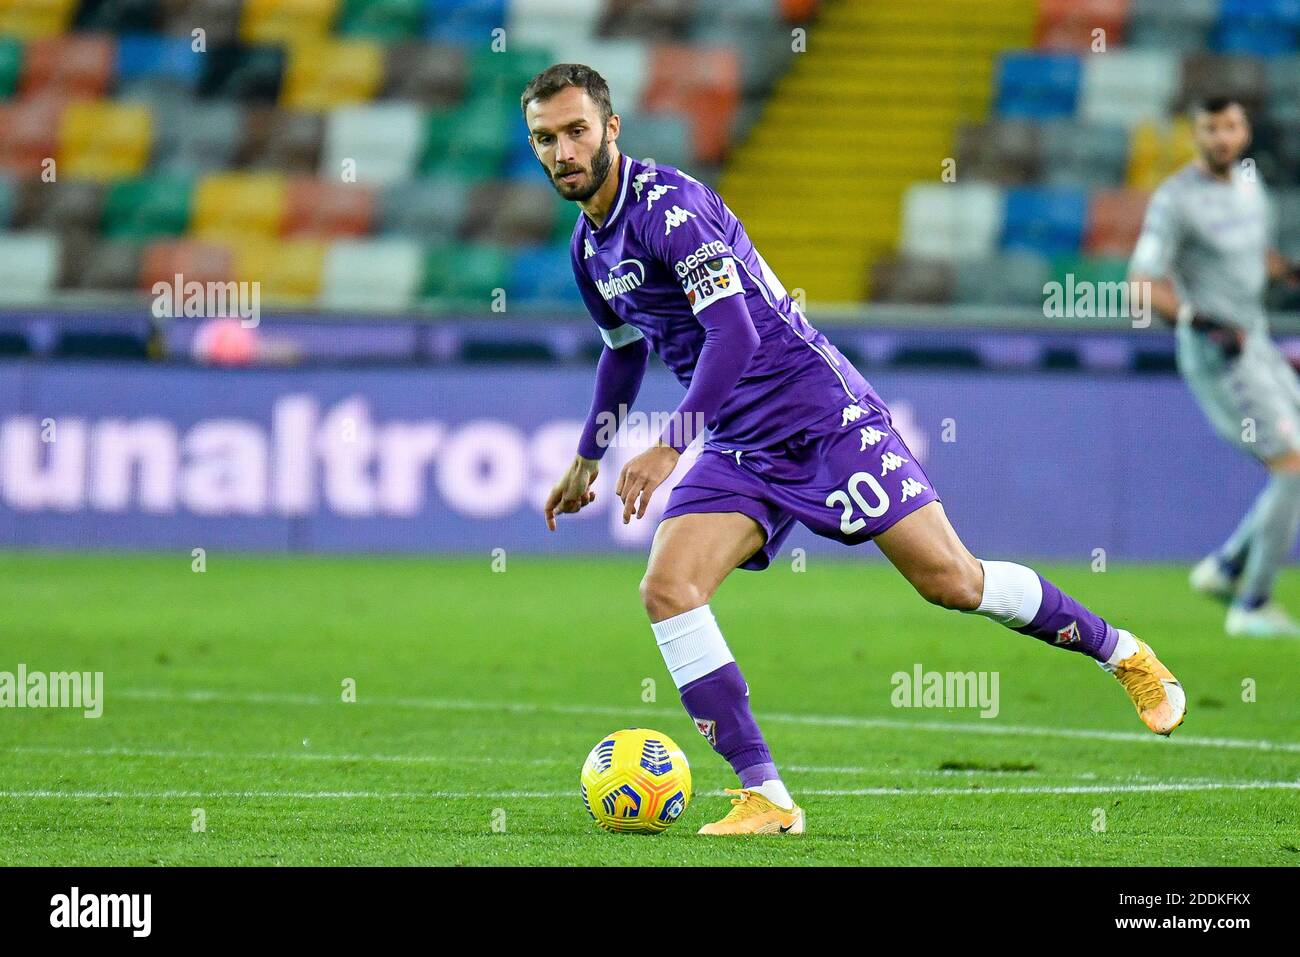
(371, 274)
(951, 221)
(1128, 86)
(384, 139)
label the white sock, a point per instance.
(775, 792)
(1012, 594)
(692, 644)
(1127, 645)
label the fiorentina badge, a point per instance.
(707, 728)
(1069, 635)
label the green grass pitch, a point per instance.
(479, 693)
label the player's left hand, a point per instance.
(641, 476)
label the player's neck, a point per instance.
(602, 201)
(1224, 175)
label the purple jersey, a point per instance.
(669, 249)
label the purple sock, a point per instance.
(718, 703)
(1064, 622)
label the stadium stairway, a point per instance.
(872, 106)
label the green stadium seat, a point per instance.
(11, 64)
(1092, 269)
(474, 135)
(465, 274)
(387, 20)
(148, 207)
(502, 76)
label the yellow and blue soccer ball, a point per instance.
(636, 780)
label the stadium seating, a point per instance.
(297, 142)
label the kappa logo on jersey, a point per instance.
(656, 192)
(587, 249)
(618, 284)
(674, 216)
(708, 728)
(716, 279)
(851, 414)
(1069, 635)
(890, 461)
(911, 488)
(639, 181)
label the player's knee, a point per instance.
(666, 595)
(957, 586)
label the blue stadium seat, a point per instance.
(463, 21)
(1038, 85)
(141, 55)
(542, 275)
(1260, 27)
(1047, 219)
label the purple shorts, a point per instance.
(849, 478)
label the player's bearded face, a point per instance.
(1222, 137)
(589, 178)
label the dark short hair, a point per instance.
(1216, 104)
(562, 75)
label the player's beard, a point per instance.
(600, 164)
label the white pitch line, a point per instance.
(1161, 788)
(847, 721)
(166, 754)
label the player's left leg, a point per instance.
(924, 547)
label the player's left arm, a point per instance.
(694, 247)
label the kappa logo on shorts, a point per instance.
(708, 728)
(870, 436)
(911, 488)
(851, 414)
(1069, 635)
(890, 461)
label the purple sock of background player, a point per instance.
(719, 704)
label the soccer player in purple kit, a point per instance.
(796, 434)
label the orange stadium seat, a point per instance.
(29, 133)
(104, 140)
(1114, 221)
(324, 208)
(703, 83)
(76, 65)
(195, 261)
(1069, 24)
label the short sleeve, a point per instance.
(614, 331)
(1153, 255)
(688, 234)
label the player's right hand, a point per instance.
(573, 492)
(1229, 339)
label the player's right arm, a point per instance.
(618, 380)
(1152, 260)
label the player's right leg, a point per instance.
(692, 554)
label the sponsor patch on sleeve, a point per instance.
(710, 281)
